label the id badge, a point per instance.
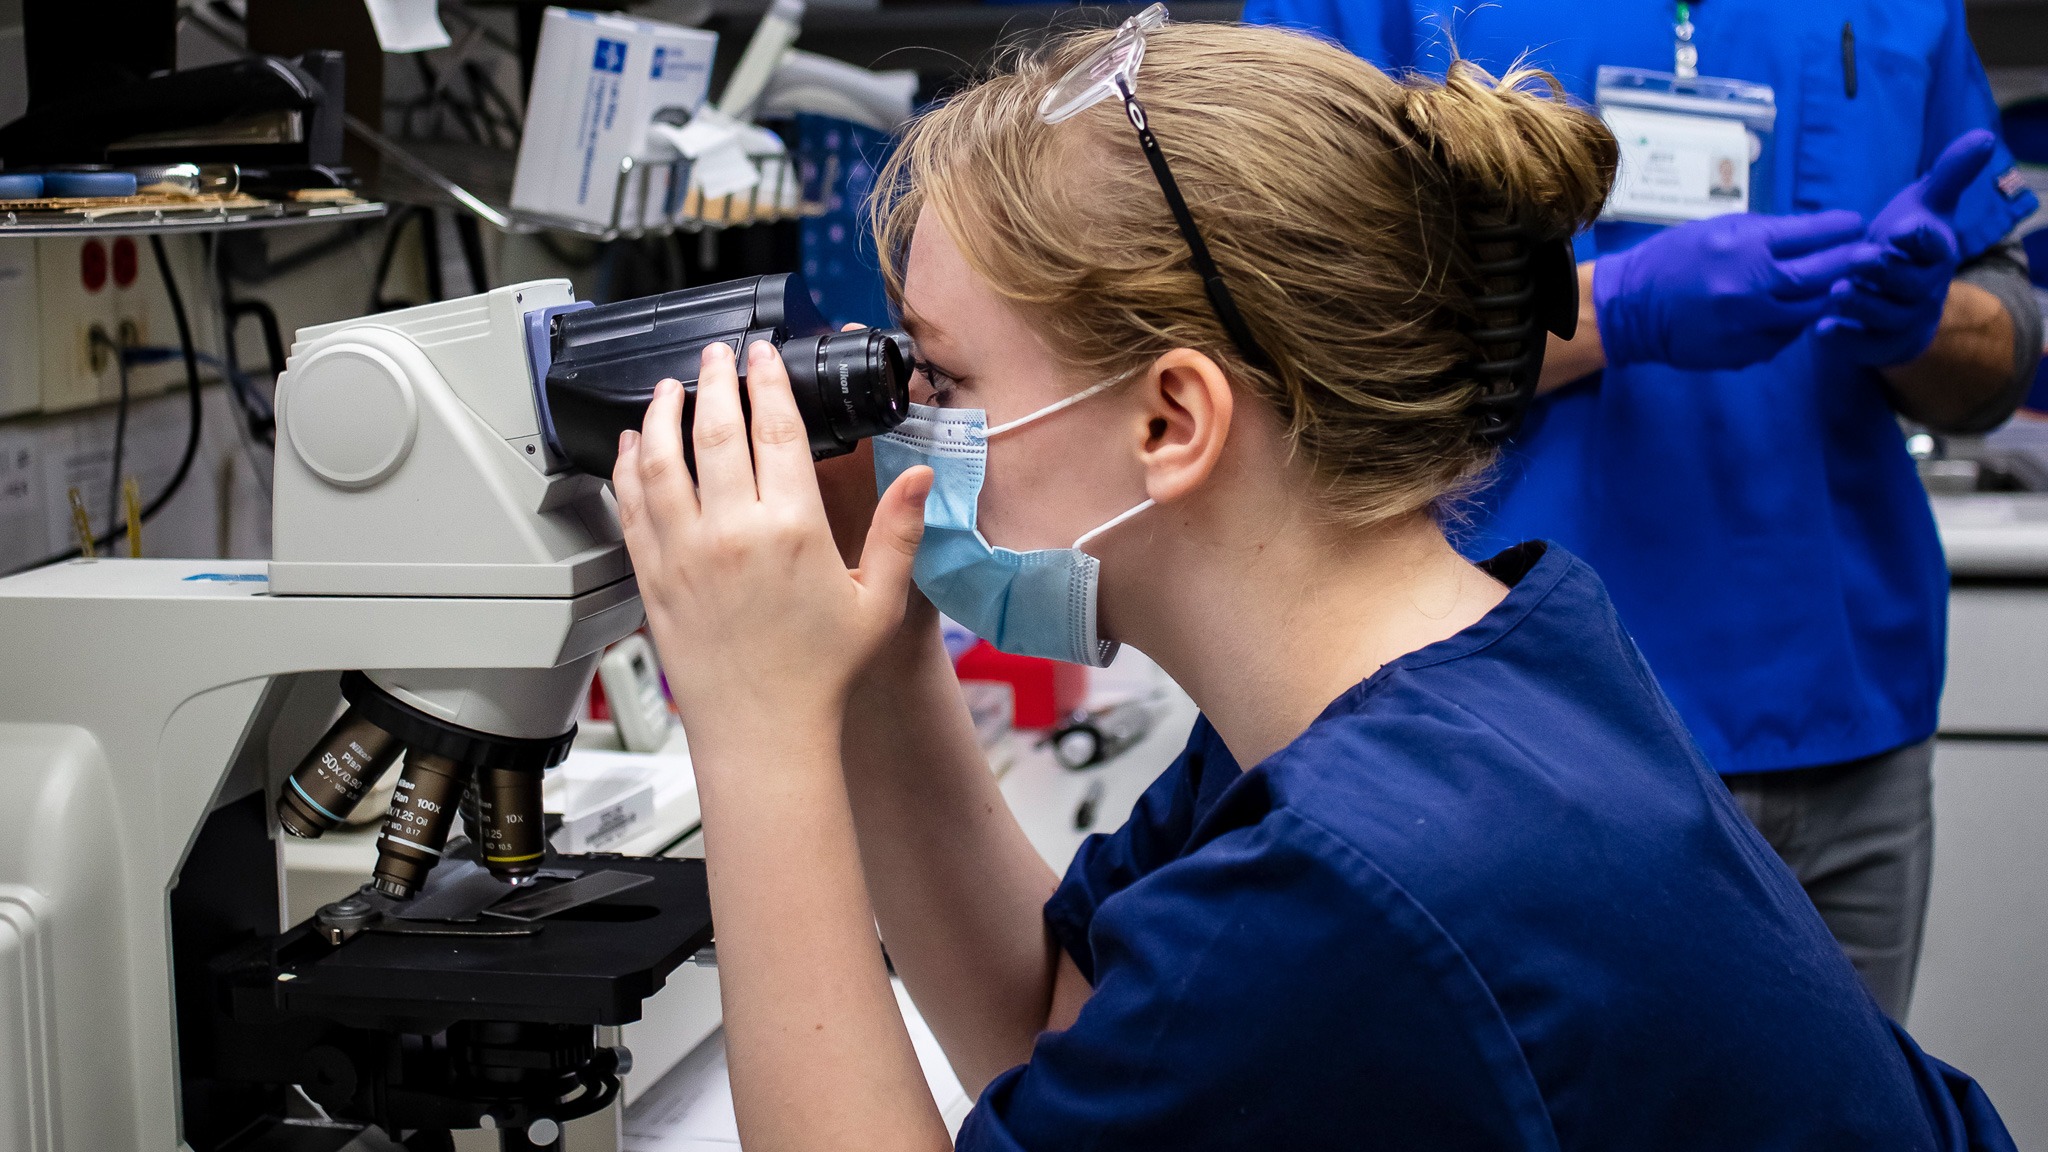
(1691, 148)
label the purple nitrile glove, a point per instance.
(1726, 292)
(1887, 314)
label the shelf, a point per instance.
(155, 220)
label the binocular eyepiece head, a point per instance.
(601, 363)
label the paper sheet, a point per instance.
(24, 533)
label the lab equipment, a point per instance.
(1724, 293)
(764, 52)
(1094, 736)
(806, 82)
(603, 363)
(514, 836)
(333, 777)
(433, 581)
(631, 675)
(1886, 312)
(263, 110)
(187, 179)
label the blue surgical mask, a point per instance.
(1036, 603)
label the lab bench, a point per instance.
(1981, 1001)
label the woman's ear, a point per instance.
(1187, 408)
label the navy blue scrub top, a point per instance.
(1762, 531)
(1492, 898)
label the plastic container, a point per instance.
(1044, 692)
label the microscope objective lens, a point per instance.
(422, 811)
(326, 785)
(514, 838)
(472, 818)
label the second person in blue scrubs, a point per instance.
(1744, 489)
(1439, 868)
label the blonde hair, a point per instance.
(1334, 198)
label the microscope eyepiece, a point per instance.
(603, 363)
(849, 386)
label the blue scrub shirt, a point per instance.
(1763, 532)
(1492, 898)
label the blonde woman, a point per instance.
(1215, 325)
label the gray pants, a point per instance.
(1860, 838)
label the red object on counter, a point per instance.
(1044, 690)
(599, 707)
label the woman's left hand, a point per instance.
(758, 619)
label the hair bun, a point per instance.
(1515, 145)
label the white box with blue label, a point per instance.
(599, 80)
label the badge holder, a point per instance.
(1691, 147)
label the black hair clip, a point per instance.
(1527, 291)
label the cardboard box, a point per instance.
(598, 80)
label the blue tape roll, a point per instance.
(21, 185)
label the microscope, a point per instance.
(447, 570)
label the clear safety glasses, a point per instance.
(1113, 71)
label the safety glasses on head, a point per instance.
(1113, 71)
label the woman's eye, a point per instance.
(933, 385)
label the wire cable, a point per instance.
(120, 431)
(191, 358)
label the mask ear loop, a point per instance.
(1113, 522)
(1049, 409)
(1060, 405)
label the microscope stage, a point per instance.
(592, 964)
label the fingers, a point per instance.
(1932, 243)
(1953, 170)
(1798, 235)
(1790, 317)
(664, 481)
(1901, 279)
(725, 466)
(1872, 310)
(782, 448)
(642, 543)
(1836, 328)
(886, 561)
(1809, 276)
